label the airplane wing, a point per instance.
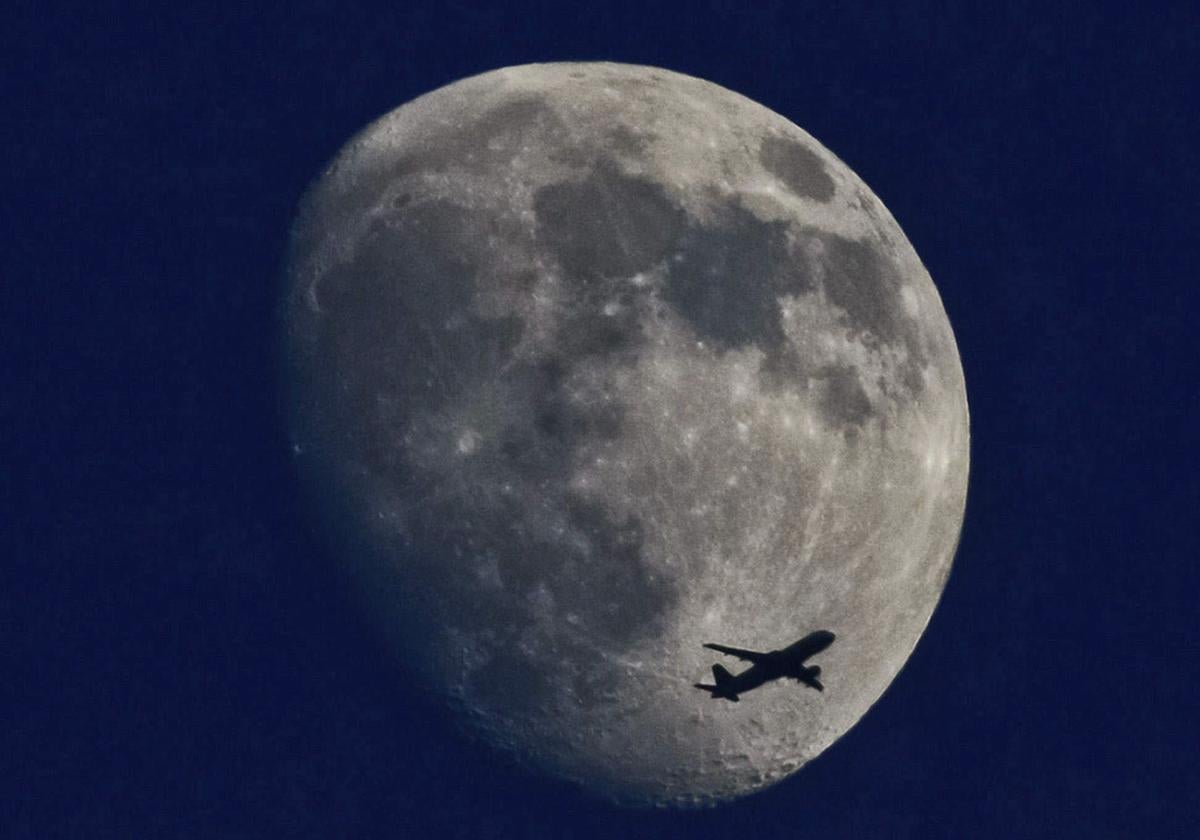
(740, 653)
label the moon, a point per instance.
(589, 364)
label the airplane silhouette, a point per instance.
(772, 665)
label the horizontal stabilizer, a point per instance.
(724, 687)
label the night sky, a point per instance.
(178, 658)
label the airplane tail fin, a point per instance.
(724, 685)
(722, 677)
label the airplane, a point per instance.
(772, 665)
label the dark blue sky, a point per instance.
(177, 659)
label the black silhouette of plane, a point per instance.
(772, 665)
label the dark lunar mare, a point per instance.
(728, 277)
(798, 167)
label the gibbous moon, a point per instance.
(593, 363)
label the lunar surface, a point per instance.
(591, 364)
